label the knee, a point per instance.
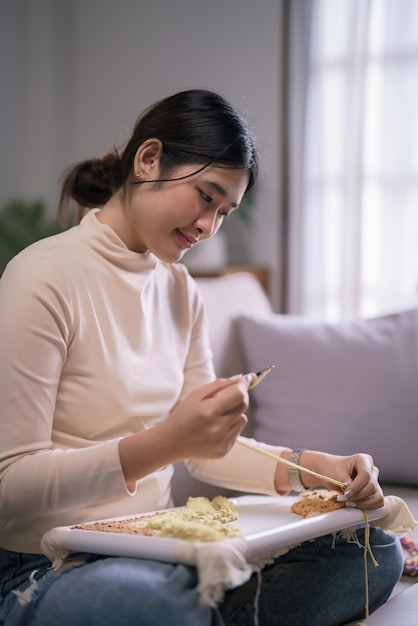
(387, 551)
(149, 592)
(122, 592)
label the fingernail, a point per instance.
(248, 378)
(343, 497)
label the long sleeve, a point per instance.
(241, 469)
(97, 343)
(35, 332)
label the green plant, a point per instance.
(246, 207)
(23, 222)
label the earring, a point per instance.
(139, 173)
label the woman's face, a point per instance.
(170, 218)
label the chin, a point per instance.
(169, 258)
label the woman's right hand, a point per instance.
(207, 423)
(204, 425)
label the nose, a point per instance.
(207, 224)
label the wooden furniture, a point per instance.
(261, 273)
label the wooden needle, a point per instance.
(245, 444)
(261, 376)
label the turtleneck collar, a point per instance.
(109, 245)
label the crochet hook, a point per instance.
(260, 376)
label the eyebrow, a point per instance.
(221, 191)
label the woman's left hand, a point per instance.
(361, 475)
(357, 471)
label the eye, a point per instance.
(204, 196)
(223, 214)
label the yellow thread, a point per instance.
(257, 598)
(298, 467)
(367, 549)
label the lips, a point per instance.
(186, 240)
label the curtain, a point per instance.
(353, 172)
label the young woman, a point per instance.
(106, 379)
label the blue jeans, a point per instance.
(319, 583)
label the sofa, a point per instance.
(341, 387)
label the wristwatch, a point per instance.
(293, 473)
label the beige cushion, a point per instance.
(226, 298)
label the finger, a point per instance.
(363, 483)
(228, 435)
(251, 379)
(374, 501)
(343, 497)
(219, 384)
(236, 422)
(361, 495)
(235, 428)
(355, 489)
(362, 472)
(229, 402)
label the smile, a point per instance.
(186, 240)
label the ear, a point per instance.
(147, 157)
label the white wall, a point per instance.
(76, 73)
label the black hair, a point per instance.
(196, 126)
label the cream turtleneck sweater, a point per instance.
(96, 342)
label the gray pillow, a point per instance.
(338, 387)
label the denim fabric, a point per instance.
(15, 570)
(320, 583)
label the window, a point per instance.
(359, 209)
